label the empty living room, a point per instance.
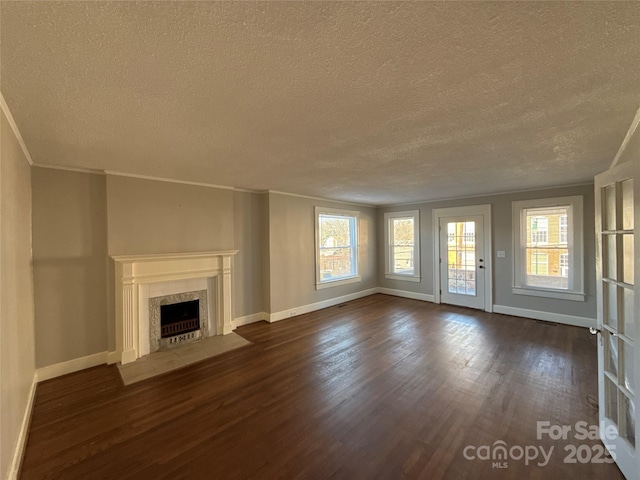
(312, 240)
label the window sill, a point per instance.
(539, 292)
(406, 278)
(338, 282)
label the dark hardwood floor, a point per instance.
(381, 387)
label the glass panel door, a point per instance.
(618, 391)
(462, 263)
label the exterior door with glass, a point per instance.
(462, 263)
(618, 319)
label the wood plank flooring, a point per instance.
(381, 387)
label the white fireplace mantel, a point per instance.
(131, 271)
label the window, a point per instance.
(402, 255)
(564, 265)
(562, 229)
(538, 228)
(548, 248)
(539, 264)
(336, 247)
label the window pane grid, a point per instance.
(402, 243)
(617, 243)
(563, 229)
(461, 258)
(547, 253)
(538, 229)
(402, 248)
(337, 249)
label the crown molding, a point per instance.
(481, 195)
(321, 199)
(167, 180)
(627, 138)
(14, 127)
(70, 169)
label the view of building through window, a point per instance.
(461, 258)
(402, 245)
(547, 251)
(337, 247)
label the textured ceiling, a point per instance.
(370, 102)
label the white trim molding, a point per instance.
(12, 123)
(18, 453)
(354, 228)
(546, 316)
(253, 318)
(70, 366)
(164, 179)
(627, 139)
(71, 169)
(389, 258)
(112, 357)
(574, 247)
(425, 297)
(338, 282)
(482, 195)
(312, 307)
(321, 199)
(469, 210)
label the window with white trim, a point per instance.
(402, 253)
(548, 246)
(336, 247)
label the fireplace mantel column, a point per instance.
(226, 316)
(127, 329)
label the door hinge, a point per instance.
(596, 330)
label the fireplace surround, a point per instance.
(178, 318)
(138, 276)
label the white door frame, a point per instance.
(485, 211)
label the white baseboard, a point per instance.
(253, 318)
(58, 369)
(113, 357)
(24, 430)
(312, 307)
(425, 297)
(547, 316)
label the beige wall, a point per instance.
(17, 345)
(147, 216)
(292, 252)
(80, 219)
(502, 238)
(69, 264)
(266, 252)
(249, 236)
